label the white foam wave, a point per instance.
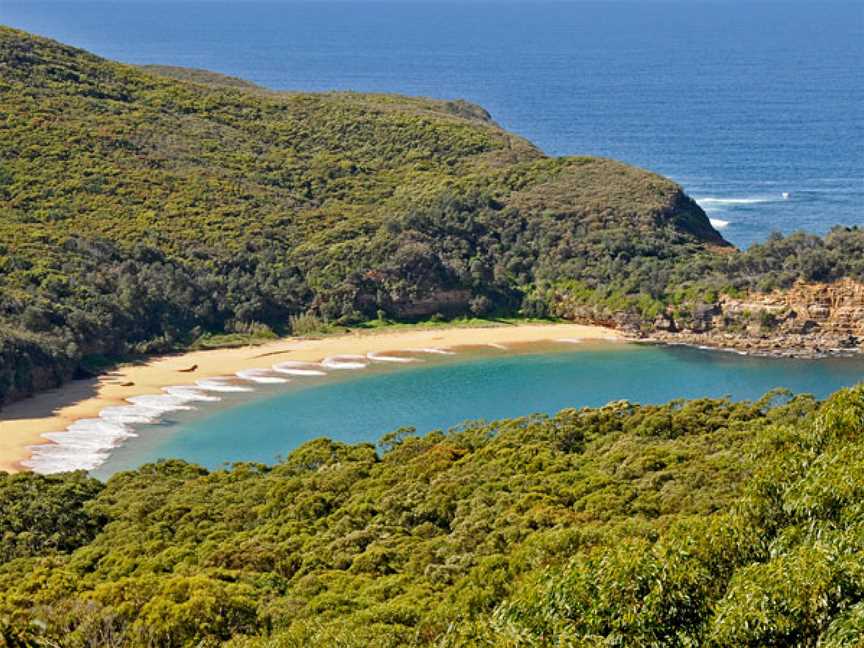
(345, 362)
(83, 445)
(89, 432)
(53, 458)
(261, 376)
(298, 368)
(158, 404)
(434, 350)
(86, 443)
(495, 345)
(718, 223)
(571, 340)
(129, 414)
(381, 357)
(221, 385)
(190, 393)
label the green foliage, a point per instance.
(642, 288)
(44, 514)
(783, 567)
(693, 523)
(309, 324)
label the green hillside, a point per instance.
(700, 523)
(144, 208)
(140, 208)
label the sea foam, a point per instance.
(298, 368)
(710, 201)
(434, 350)
(62, 457)
(221, 385)
(718, 223)
(190, 393)
(345, 362)
(382, 357)
(261, 376)
(158, 404)
(86, 443)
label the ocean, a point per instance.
(756, 108)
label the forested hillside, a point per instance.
(700, 523)
(143, 208)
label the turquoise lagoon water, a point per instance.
(440, 393)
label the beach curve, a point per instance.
(26, 423)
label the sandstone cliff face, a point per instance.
(807, 319)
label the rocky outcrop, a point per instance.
(806, 320)
(440, 302)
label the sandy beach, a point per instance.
(23, 423)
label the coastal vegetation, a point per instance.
(694, 523)
(649, 287)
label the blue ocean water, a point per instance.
(740, 101)
(441, 394)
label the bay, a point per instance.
(362, 406)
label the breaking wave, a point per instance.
(221, 385)
(345, 362)
(434, 350)
(296, 368)
(86, 443)
(382, 357)
(260, 376)
(709, 202)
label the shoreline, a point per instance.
(752, 346)
(23, 423)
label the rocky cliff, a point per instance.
(809, 319)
